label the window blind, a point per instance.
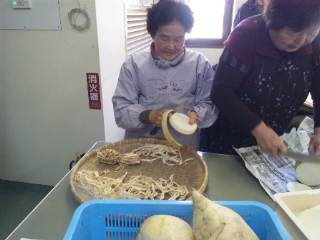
(137, 37)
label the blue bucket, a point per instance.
(121, 219)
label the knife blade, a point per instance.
(301, 157)
(180, 108)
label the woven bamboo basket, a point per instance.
(193, 174)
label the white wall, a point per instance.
(45, 117)
(111, 38)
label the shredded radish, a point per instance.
(145, 153)
(99, 185)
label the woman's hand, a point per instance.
(268, 140)
(314, 145)
(193, 117)
(155, 117)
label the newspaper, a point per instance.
(274, 172)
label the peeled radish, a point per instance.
(214, 222)
(308, 173)
(165, 227)
(180, 122)
(295, 186)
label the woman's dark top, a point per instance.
(255, 82)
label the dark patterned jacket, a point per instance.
(254, 82)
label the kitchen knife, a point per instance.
(301, 157)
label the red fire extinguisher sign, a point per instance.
(93, 85)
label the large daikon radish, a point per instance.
(215, 222)
(308, 173)
(165, 227)
(295, 186)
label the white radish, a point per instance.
(180, 122)
(308, 173)
(295, 186)
(215, 222)
(165, 227)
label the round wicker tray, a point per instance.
(194, 174)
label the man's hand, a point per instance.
(268, 140)
(193, 117)
(314, 145)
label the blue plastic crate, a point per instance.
(121, 219)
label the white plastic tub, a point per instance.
(292, 203)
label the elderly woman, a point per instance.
(164, 77)
(267, 69)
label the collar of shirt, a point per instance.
(163, 63)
